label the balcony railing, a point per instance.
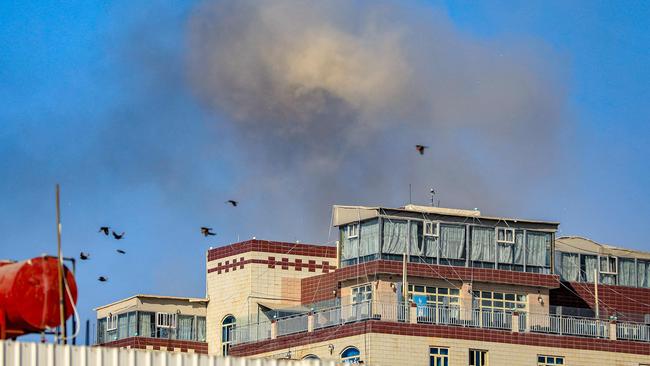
(453, 316)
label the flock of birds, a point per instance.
(205, 231)
(106, 230)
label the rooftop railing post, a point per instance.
(274, 329)
(310, 322)
(413, 314)
(612, 330)
(515, 322)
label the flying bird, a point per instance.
(102, 279)
(84, 256)
(420, 148)
(207, 231)
(233, 203)
(104, 229)
(118, 236)
(121, 251)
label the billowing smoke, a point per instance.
(328, 99)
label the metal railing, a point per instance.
(564, 325)
(633, 331)
(443, 315)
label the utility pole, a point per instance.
(596, 293)
(62, 337)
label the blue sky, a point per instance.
(93, 95)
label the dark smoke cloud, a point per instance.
(329, 98)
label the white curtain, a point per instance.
(145, 324)
(200, 328)
(122, 326)
(452, 241)
(395, 237)
(133, 324)
(185, 327)
(512, 253)
(588, 266)
(643, 271)
(369, 238)
(626, 272)
(350, 247)
(482, 248)
(417, 244)
(536, 248)
(568, 266)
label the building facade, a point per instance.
(427, 285)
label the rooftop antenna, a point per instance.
(433, 200)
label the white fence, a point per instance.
(43, 354)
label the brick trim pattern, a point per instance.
(271, 262)
(157, 343)
(441, 331)
(320, 288)
(613, 299)
(278, 247)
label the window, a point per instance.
(227, 326)
(438, 356)
(549, 360)
(351, 355)
(311, 357)
(608, 265)
(436, 296)
(478, 357)
(492, 300)
(361, 293)
(353, 231)
(165, 320)
(505, 235)
(111, 322)
(431, 228)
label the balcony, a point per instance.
(448, 316)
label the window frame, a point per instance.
(230, 326)
(166, 320)
(608, 259)
(366, 286)
(472, 357)
(431, 224)
(111, 322)
(546, 359)
(352, 359)
(352, 230)
(433, 357)
(519, 299)
(505, 231)
(434, 292)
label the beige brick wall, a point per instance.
(239, 292)
(392, 350)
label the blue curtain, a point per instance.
(395, 236)
(537, 248)
(452, 241)
(369, 238)
(482, 248)
(627, 274)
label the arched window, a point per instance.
(227, 326)
(311, 357)
(351, 355)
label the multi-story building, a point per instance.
(426, 285)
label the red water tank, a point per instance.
(29, 296)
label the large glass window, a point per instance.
(438, 356)
(227, 327)
(452, 245)
(361, 293)
(147, 327)
(643, 274)
(511, 255)
(351, 355)
(200, 328)
(101, 330)
(567, 265)
(185, 327)
(395, 237)
(436, 296)
(627, 275)
(538, 251)
(543, 360)
(478, 357)
(588, 267)
(499, 301)
(483, 247)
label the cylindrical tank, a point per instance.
(29, 295)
